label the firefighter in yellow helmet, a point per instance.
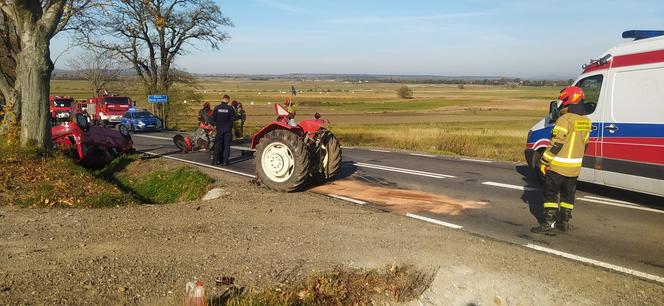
(561, 162)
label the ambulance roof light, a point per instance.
(642, 34)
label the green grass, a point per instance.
(152, 182)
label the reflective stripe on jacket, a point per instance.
(568, 144)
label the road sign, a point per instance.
(158, 99)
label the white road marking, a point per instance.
(598, 263)
(434, 221)
(406, 171)
(150, 136)
(347, 199)
(616, 203)
(610, 200)
(378, 150)
(423, 155)
(201, 164)
(477, 160)
(516, 187)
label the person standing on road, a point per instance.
(562, 160)
(223, 116)
(239, 120)
(205, 113)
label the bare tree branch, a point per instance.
(151, 33)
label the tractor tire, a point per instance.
(282, 161)
(329, 160)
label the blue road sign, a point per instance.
(158, 99)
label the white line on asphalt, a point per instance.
(201, 164)
(434, 221)
(477, 160)
(632, 206)
(377, 150)
(406, 171)
(610, 200)
(150, 136)
(423, 155)
(347, 199)
(598, 263)
(517, 187)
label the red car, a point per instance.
(89, 145)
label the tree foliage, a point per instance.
(150, 34)
(405, 92)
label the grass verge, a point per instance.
(155, 182)
(502, 140)
(37, 178)
(341, 286)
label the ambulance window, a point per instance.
(591, 86)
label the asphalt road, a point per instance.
(622, 229)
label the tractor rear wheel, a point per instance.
(328, 160)
(282, 161)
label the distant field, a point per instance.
(481, 121)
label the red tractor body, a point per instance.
(107, 109)
(60, 108)
(289, 156)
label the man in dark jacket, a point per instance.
(223, 116)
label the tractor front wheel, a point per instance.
(282, 161)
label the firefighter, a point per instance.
(240, 116)
(223, 116)
(205, 113)
(562, 160)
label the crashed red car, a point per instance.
(89, 145)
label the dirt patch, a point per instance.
(399, 200)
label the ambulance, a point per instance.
(624, 90)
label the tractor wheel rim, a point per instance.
(278, 162)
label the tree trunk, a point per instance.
(10, 125)
(33, 76)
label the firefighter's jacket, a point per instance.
(568, 143)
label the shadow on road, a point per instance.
(532, 197)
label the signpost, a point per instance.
(160, 101)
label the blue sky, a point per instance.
(473, 37)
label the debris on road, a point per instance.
(215, 193)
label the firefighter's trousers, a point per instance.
(555, 184)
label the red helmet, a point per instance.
(571, 95)
(287, 102)
(206, 105)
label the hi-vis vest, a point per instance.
(568, 143)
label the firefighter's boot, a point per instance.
(550, 219)
(563, 220)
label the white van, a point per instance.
(625, 101)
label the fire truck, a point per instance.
(106, 110)
(60, 108)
